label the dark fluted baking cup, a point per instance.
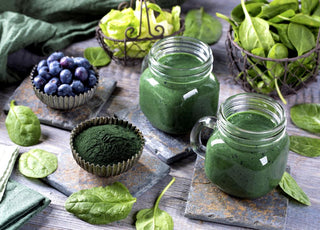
(110, 169)
(63, 102)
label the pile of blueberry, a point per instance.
(64, 76)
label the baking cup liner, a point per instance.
(110, 169)
(63, 102)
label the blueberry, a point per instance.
(50, 88)
(91, 71)
(92, 80)
(83, 62)
(65, 76)
(56, 56)
(77, 87)
(43, 69)
(81, 74)
(65, 90)
(44, 72)
(55, 81)
(54, 68)
(39, 82)
(41, 64)
(67, 63)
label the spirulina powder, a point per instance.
(107, 144)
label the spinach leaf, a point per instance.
(290, 187)
(316, 12)
(233, 24)
(23, 125)
(254, 32)
(277, 7)
(253, 9)
(303, 19)
(282, 31)
(301, 38)
(306, 116)
(96, 56)
(155, 218)
(307, 6)
(37, 163)
(200, 25)
(276, 69)
(306, 146)
(100, 205)
(284, 16)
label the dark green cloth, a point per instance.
(46, 26)
(19, 204)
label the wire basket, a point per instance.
(125, 47)
(273, 77)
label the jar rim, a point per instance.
(267, 103)
(180, 44)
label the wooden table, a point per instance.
(304, 170)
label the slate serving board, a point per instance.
(168, 148)
(207, 202)
(64, 119)
(70, 177)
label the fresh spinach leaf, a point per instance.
(37, 163)
(254, 32)
(155, 218)
(276, 69)
(284, 16)
(301, 38)
(200, 25)
(233, 24)
(306, 146)
(253, 9)
(303, 19)
(307, 6)
(101, 205)
(282, 31)
(277, 7)
(316, 12)
(96, 56)
(306, 116)
(23, 125)
(290, 187)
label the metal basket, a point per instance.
(260, 75)
(124, 46)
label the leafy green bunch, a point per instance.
(276, 31)
(115, 24)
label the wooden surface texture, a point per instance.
(304, 170)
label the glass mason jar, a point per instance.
(246, 155)
(178, 87)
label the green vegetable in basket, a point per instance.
(279, 25)
(125, 24)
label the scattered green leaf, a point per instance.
(155, 218)
(101, 205)
(200, 25)
(306, 146)
(97, 56)
(23, 125)
(290, 187)
(306, 116)
(37, 163)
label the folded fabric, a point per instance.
(19, 204)
(8, 155)
(46, 26)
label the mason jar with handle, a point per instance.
(246, 155)
(178, 86)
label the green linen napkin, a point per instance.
(19, 204)
(8, 156)
(46, 26)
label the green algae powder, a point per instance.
(107, 144)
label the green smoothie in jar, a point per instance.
(247, 153)
(178, 86)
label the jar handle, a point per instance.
(195, 135)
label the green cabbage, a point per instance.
(115, 23)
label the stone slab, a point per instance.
(70, 177)
(65, 119)
(168, 148)
(207, 202)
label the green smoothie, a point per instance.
(246, 171)
(174, 102)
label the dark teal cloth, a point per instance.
(46, 26)
(19, 204)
